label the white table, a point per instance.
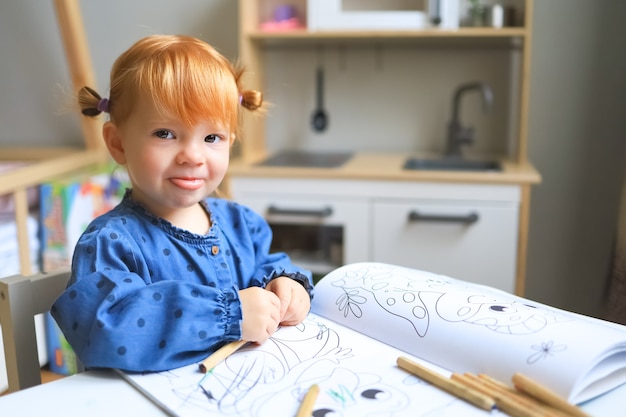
(89, 394)
(104, 393)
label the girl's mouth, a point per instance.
(187, 183)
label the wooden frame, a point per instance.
(45, 164)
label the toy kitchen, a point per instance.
(394, 135)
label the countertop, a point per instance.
(389, 166)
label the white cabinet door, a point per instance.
(377, 224)
(347, 231)
(473, 241)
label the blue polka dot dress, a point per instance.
(147, 296)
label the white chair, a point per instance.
(21, 299)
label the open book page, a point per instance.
(465, 327)
(357, 376)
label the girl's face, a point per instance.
(171, 166)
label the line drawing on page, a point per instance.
(408, 299)
(271, 380)
(544, 350)
(364, 316)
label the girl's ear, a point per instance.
(113, 142)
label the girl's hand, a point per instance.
(261, 314)
(294, 300)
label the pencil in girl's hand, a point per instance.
(306, 407)
(221, 354)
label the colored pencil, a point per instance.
(507, 399)
(503, 402)
(220, 354)
(455, 388)
(306, 407)
(534, 389)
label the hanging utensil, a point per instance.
(319, 120)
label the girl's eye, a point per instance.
(212, 138)
(164, 134)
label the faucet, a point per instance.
(457, 134)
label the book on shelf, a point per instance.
(364, 316)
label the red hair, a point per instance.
(185, 78)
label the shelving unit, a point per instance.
(252, 146)
(253, 41)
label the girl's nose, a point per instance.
(189, 154)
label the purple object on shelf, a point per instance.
(284, 12)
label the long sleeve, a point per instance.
(147, 296)
(121, 314)
(256, 232)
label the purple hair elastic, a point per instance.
(240, 98)
(103, 105)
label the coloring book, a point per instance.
(364, 316)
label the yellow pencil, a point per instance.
(220, 354)
(306, 407)
(455, 388)
(538, 391)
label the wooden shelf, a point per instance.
(512, 32)
(478, 37)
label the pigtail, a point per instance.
(90, 102)
(251, 99)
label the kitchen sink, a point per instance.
(451, 164)
(306, 159)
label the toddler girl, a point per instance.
(170, 274)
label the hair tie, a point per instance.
(103, 105)
(240, 98)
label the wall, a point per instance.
(35, 107)
(576, 139)
(386, 97)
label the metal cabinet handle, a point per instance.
(324, 212)
(415, 216)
